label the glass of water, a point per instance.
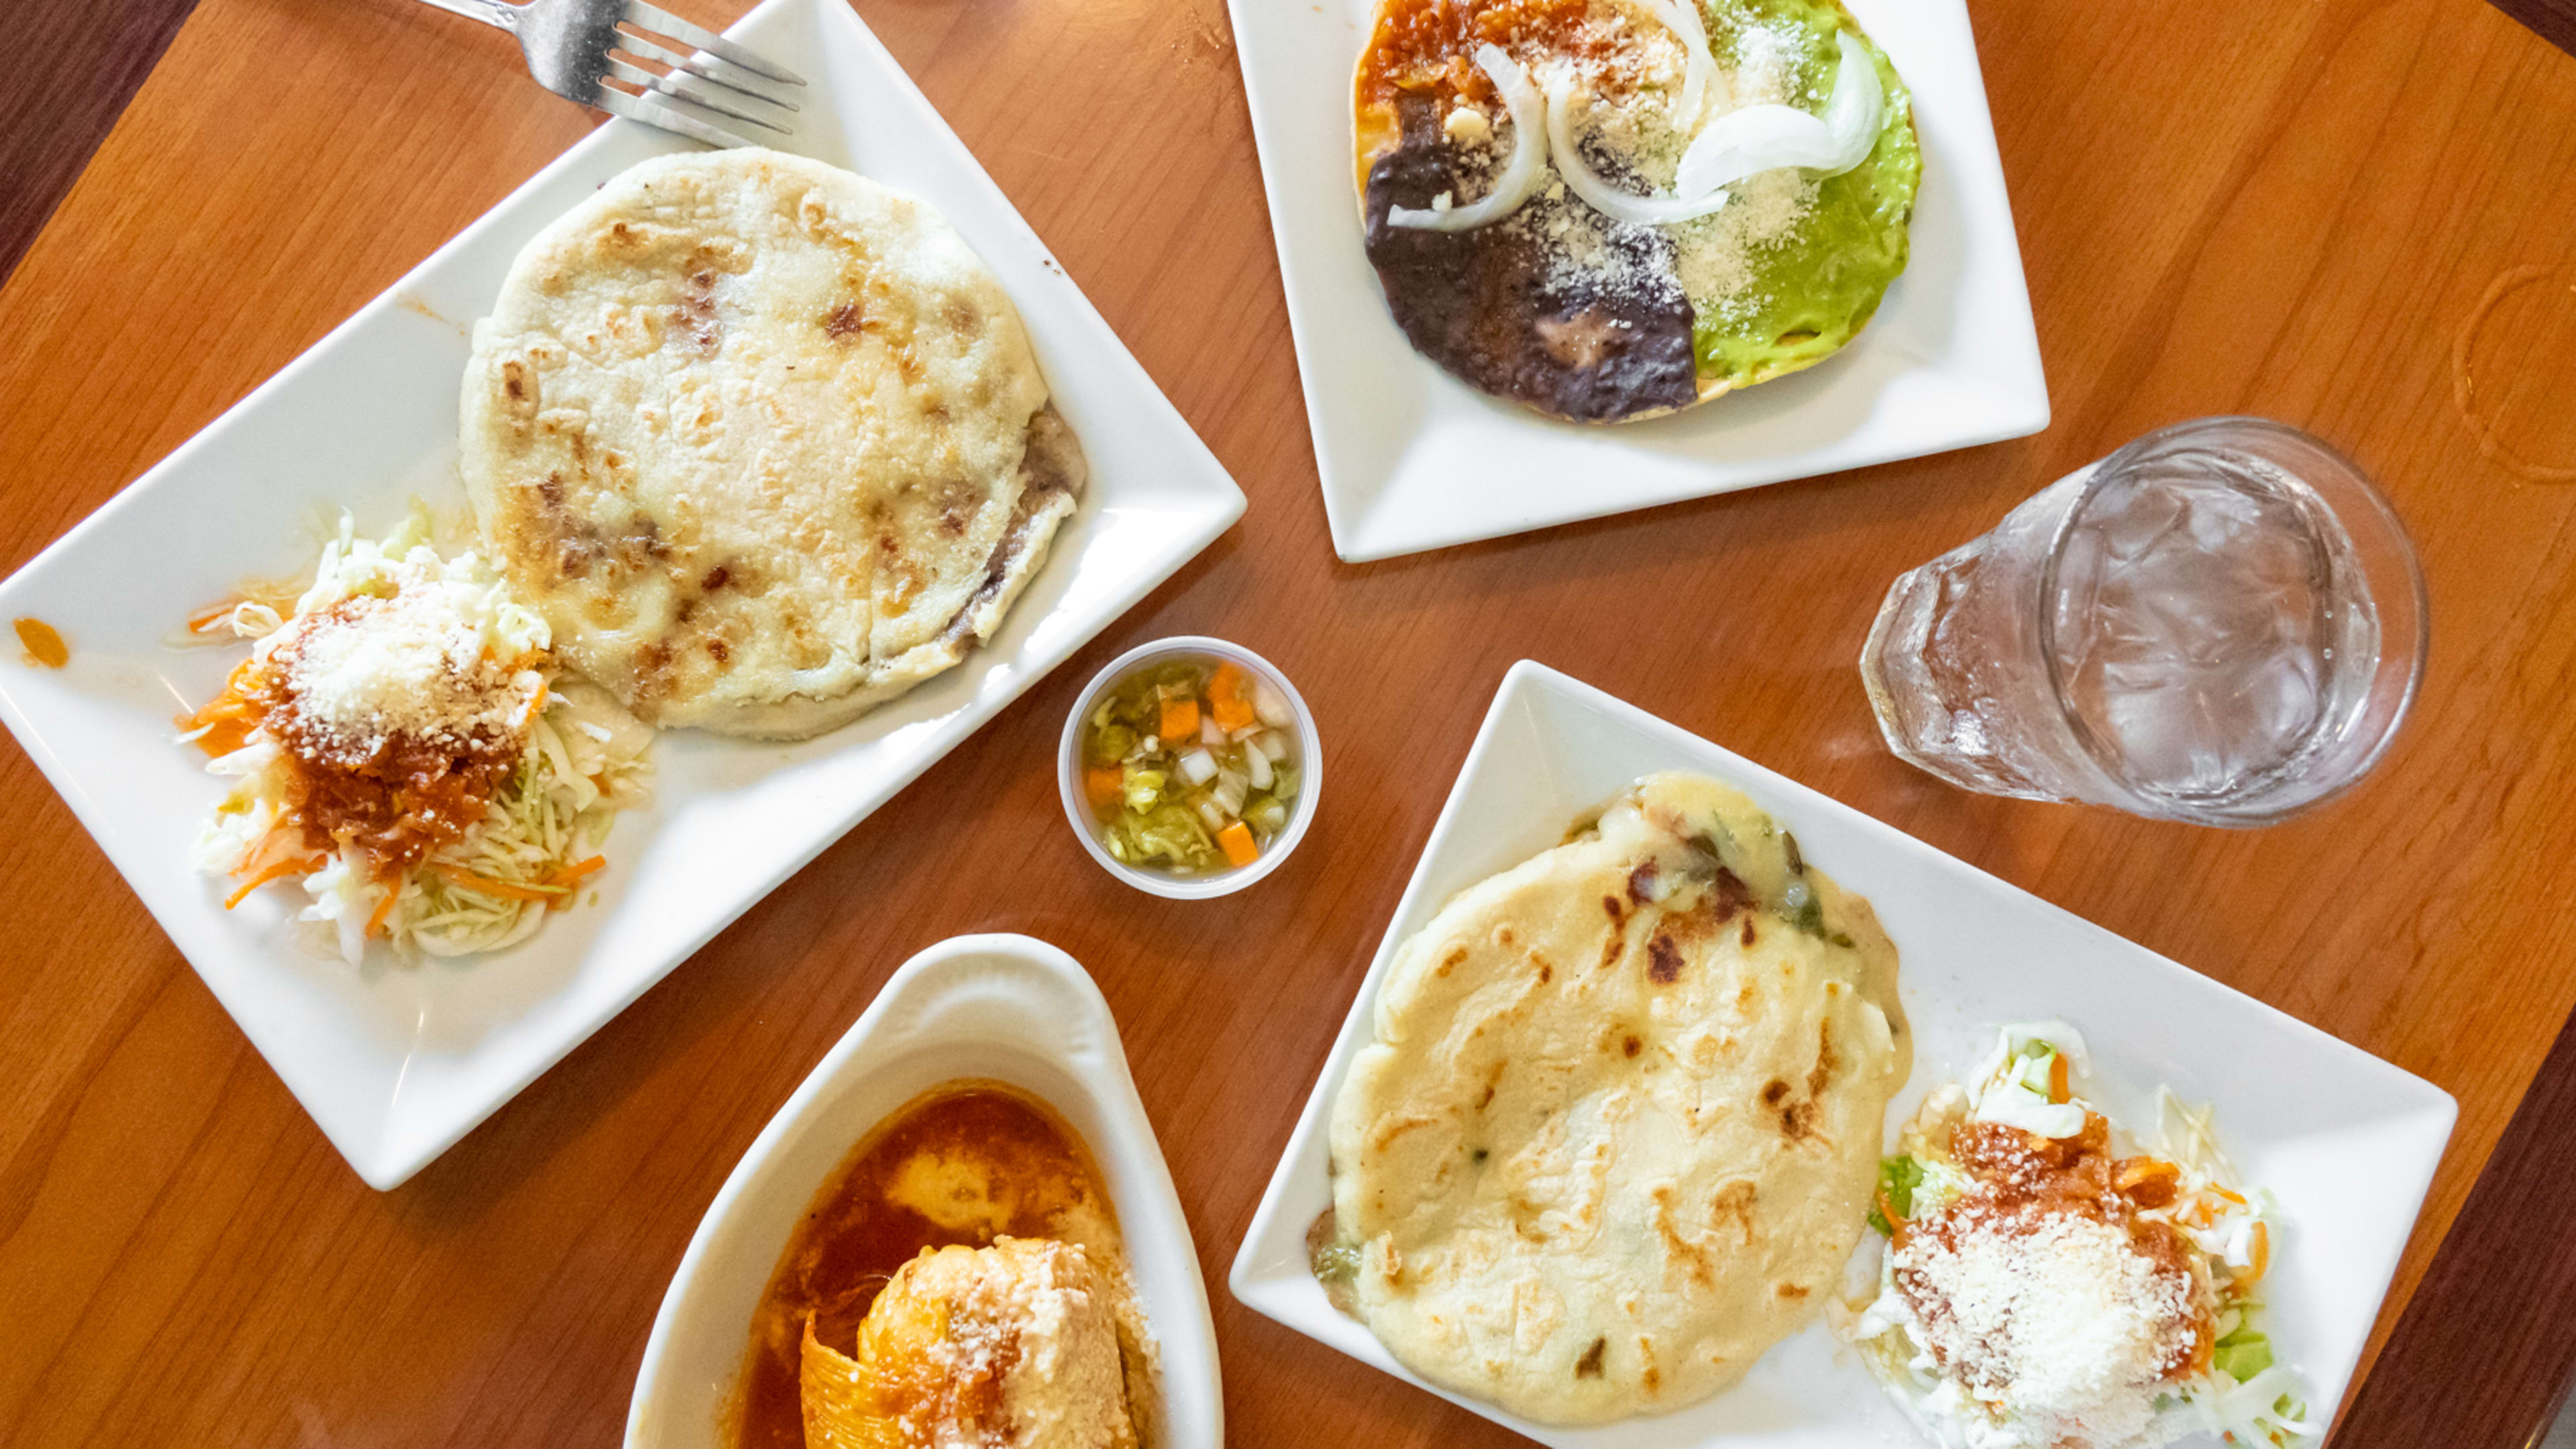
(2222, 623)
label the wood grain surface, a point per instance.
(75, 66)
(2555, 19)
(2287, 210)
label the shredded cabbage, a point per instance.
(532, 852)
(2244, 1392)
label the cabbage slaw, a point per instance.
(582, 761)
(2027, 1081)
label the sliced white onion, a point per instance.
(1198, 767)
(1762, 138)
(1521, 175)
(1699, 72)
(1857, 109)
(1256, 768)
(1596, 190)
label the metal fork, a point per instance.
(574, 49)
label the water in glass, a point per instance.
(2187, 629)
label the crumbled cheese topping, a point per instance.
(413, 647)
(2064, 1327)
(1632, 77)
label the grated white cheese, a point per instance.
(367, 669)
(2066, 1329)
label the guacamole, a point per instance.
(1801, 296)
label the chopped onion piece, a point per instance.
(1699, 72)
(1521, 175)
(1256, 767)
(1198, 767)
(1214, 818)
(1755, 139)
(1209, 733)
(1596, 190)
(1270, 704)
(1229, 792)
(1274, 745)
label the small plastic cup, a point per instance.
(1077, 810)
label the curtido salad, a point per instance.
(1190, 766)
(407, 753)
(2049, 1283)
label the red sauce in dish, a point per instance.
(858, 1230)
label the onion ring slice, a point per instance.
(1596, 190)
(1521, 175)
(1755, 139)
(1699, 71)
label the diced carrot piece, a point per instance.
(1236, 841)
(1226, 698)
(1103, 785)
(2058, 1090)
(1180, 720)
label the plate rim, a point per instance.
(1528, 679)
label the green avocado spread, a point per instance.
(1799, 263)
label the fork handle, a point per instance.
(490, 12)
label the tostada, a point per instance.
(1614, 209)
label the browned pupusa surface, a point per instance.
(1619, 1125)
(763, 440)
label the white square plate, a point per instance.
(1414, 459)
(397, 1062)
(2347, 1142)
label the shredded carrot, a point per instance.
(384, 908)
(274, 870)
(2262, 1260)
(1236, 840)
(575, 871)
(1180, 720)
(2058, 1090)
(2222, 1192)
(1104, 786)
(1895, 1220)
(502, 890)
(1226, 698)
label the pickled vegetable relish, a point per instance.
(1190, 766)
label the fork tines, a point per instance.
(708, 77)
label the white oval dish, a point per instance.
(1068, 773)
(1005, 1007)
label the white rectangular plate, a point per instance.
(397, 1062)
(2347, 1142)
(1414, 459)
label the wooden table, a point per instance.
(2289, 209)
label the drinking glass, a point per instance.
(2222, 623)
